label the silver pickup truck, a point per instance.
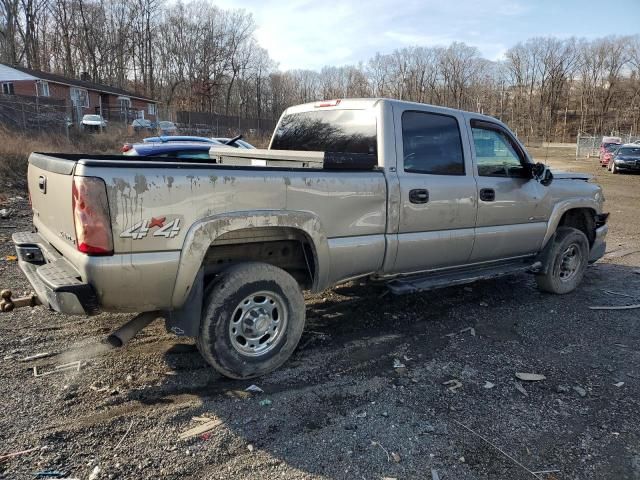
(413, 195)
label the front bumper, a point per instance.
(56, 283)
(629, 165)
(599, 244)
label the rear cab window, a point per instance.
(340, 131)
(431, 144)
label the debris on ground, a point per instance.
(619, 384)
(250, 447)
(471, 330)
(5, 213)
(454, 384)
(563, 389)
(95, 473)
(254, 389)
(125, 435)
(11, 258)
(200, 429)
(616, 307)
(521, 389)
(530, 377)
(374, 443)
(618, 293)
(495, 447)
(361, 415)
(434, 474)
(395, 457)
(37, 356)
(398, 364)
(484, 304)
(60, 368)
(488, 385)
(50, 474)
(265, 403)
(580, 391)
(201, 419)
(7, 456)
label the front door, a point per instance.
(438, 192)
(513, 209)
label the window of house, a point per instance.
(151, 108)
(124, 103)
(7, 89)
(80, 97)
(496, 153)
(431, 144)
(42, 88)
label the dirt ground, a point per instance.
(339, 409)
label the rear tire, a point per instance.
(568, 260)
(252, 319)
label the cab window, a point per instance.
(431, 144)
(496, 153)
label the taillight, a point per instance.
(91, 216)
(126, 147)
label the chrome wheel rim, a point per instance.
(570, 262)
(258, 323)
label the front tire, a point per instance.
(614, 169)
(252, 320)
(568, 260)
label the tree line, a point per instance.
(195, 56)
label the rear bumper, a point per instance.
(56, 283)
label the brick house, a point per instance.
(82, 96)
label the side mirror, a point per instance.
(541, 173)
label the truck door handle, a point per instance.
(42, 183)
(487, 194)
(419, 195)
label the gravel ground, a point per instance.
(339, 408)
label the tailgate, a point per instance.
(49, 179)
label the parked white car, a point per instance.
(93, 122)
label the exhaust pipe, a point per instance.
(129, 330)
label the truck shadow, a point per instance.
(369, 371)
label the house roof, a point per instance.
(9, 72)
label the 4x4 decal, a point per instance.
(141, 229)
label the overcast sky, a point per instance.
(314, 33)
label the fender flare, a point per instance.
(563, 207)
(205, 231)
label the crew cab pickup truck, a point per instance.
(413, 195)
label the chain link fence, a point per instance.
(26, 113)
(588, 146)
(215, 125)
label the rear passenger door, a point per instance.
(513, 209)
(437, 188)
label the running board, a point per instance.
(460, 276)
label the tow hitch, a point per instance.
(7, 304)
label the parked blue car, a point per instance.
(196, 150)
(232, 142)
(180, 138)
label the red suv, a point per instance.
(606, 153)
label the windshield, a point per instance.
(93, 118)
(165, 124)
(629, 151)
(612, 147)
(344, 131)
